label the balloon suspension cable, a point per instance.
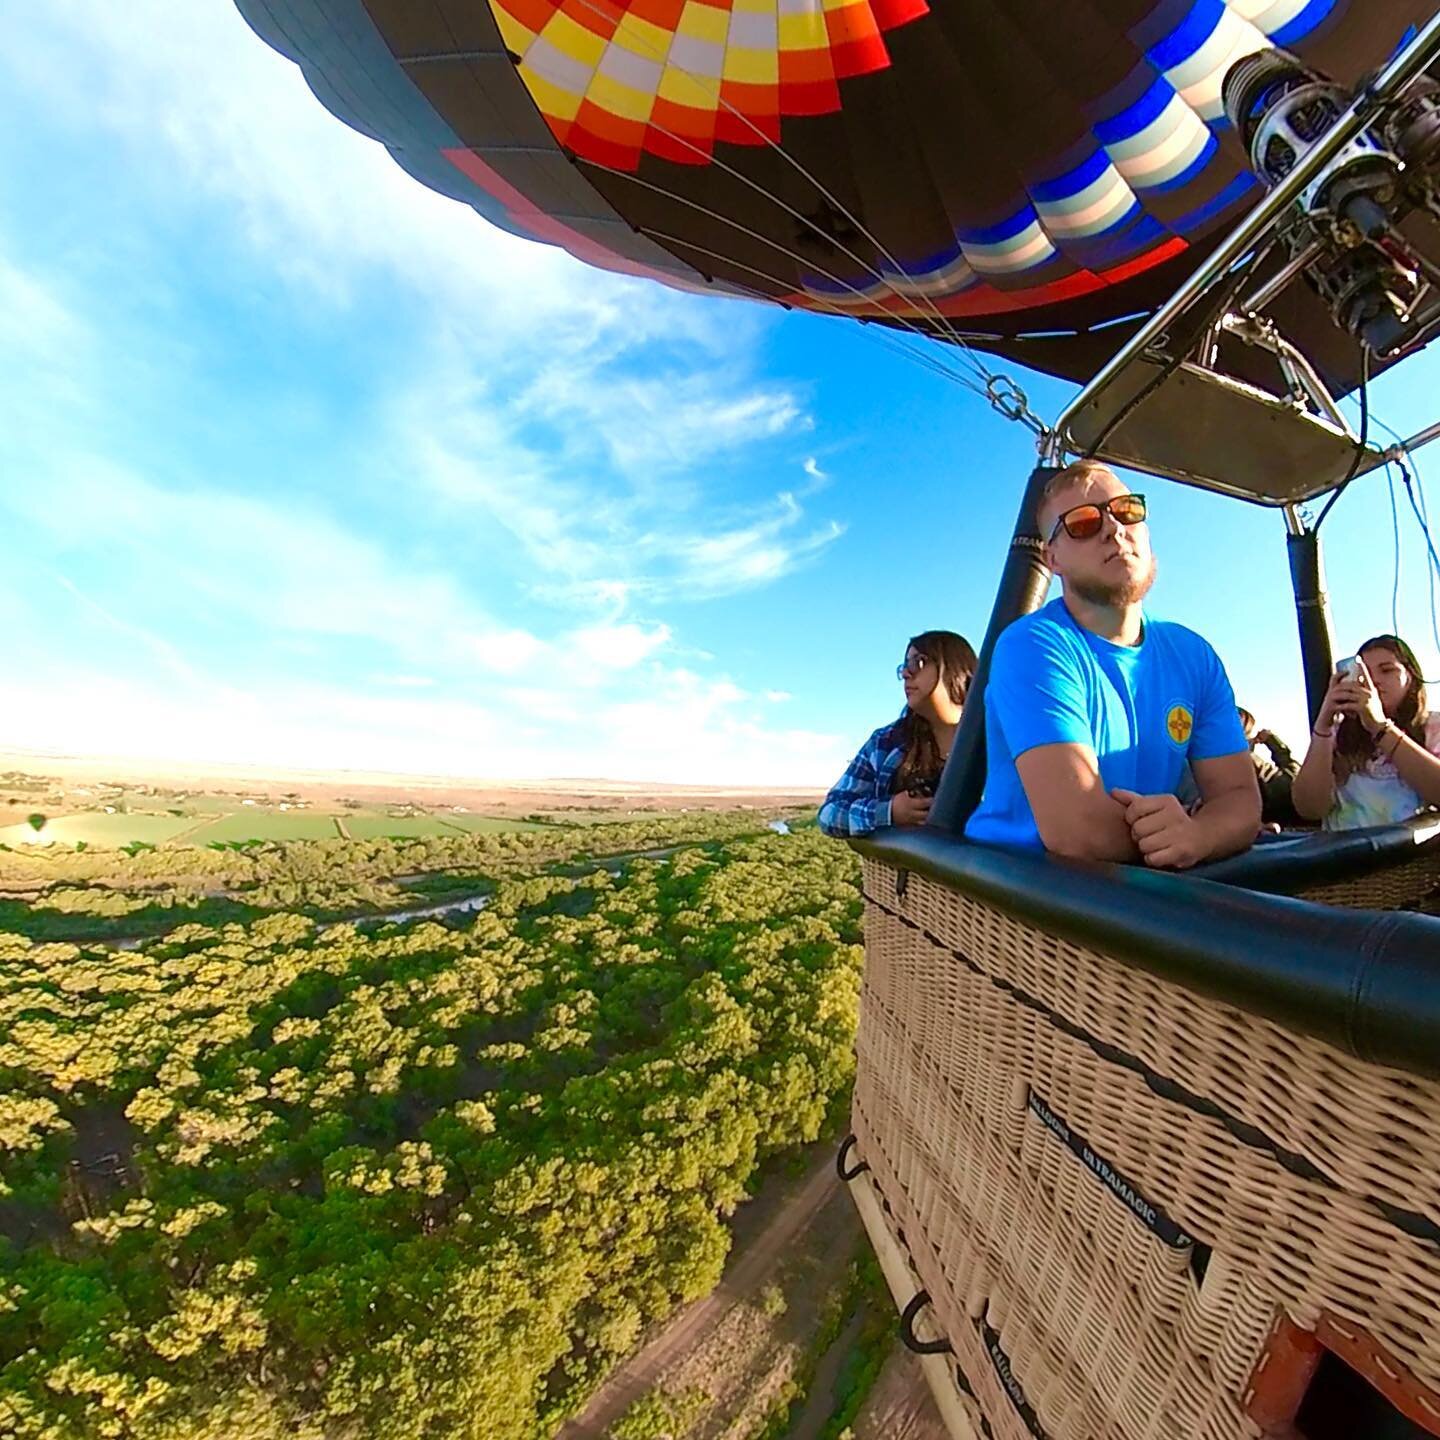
(1004, 395)
(1395, 540)
(1401, 456)
(1001, 392)
(929, 358)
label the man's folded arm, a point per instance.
(1073, 812)
(1229, 812)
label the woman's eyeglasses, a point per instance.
(911, 667)
(1083, 522)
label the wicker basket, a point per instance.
(1410, 885)
(1113, 1189)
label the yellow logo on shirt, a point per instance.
(1179, 723)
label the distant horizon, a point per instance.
(140, 767)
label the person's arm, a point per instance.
(1229, 813)
(1036, 697)
(1227, 817)
(1073, 813)
(855, 805)
(1280, 753)
(1312, 792)
(1225, 822)
(1418, 768)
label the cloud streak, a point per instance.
(328, 471)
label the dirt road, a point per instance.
(757, 1254)
(900, 1407)
(820, 1400)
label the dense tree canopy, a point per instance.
(270, 1179)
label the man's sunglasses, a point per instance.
(1083, 522)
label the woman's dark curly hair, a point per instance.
(1355, 746)
(921, 766)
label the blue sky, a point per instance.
(303, 465)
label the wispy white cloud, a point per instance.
(167, 654)
(286, 570)
(230, 121)
(603, 443)
(664, 422)
(617, 647)
(649, 532)
(747, 555)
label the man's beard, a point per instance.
(1124, 592)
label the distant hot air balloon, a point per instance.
(1020, 175)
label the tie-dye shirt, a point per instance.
(1376, 795)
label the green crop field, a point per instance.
(483, 824)
(221, 818)
(364, 825)
(265, 825)
(602, 817)
(99, 829)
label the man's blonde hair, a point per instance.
(1076, 473)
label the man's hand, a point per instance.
(908, 809)
(1167, 837)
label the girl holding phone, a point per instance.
(1374, 756)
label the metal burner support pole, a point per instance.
(1024, 583)
(1394, 76)
(1312, 609)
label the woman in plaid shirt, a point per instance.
(891, 780)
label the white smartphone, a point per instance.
(1351, 667)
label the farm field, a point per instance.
(172, 816)
(375, 827)
(261, 825)
(495, 825)
(573, 816)
(99, 829)
(197, 805)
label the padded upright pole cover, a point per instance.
(1312, 612)
(1023, 586)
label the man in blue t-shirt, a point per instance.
(1092, 711)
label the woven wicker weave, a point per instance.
(1411, 885)
(1301, 1172)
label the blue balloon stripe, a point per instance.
(1002, 230)
(1072, 181)
(1123, 243)
(1189, 173)
(1310, 18)
(1192, 32)
(1135, 117)
(1232, 194)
